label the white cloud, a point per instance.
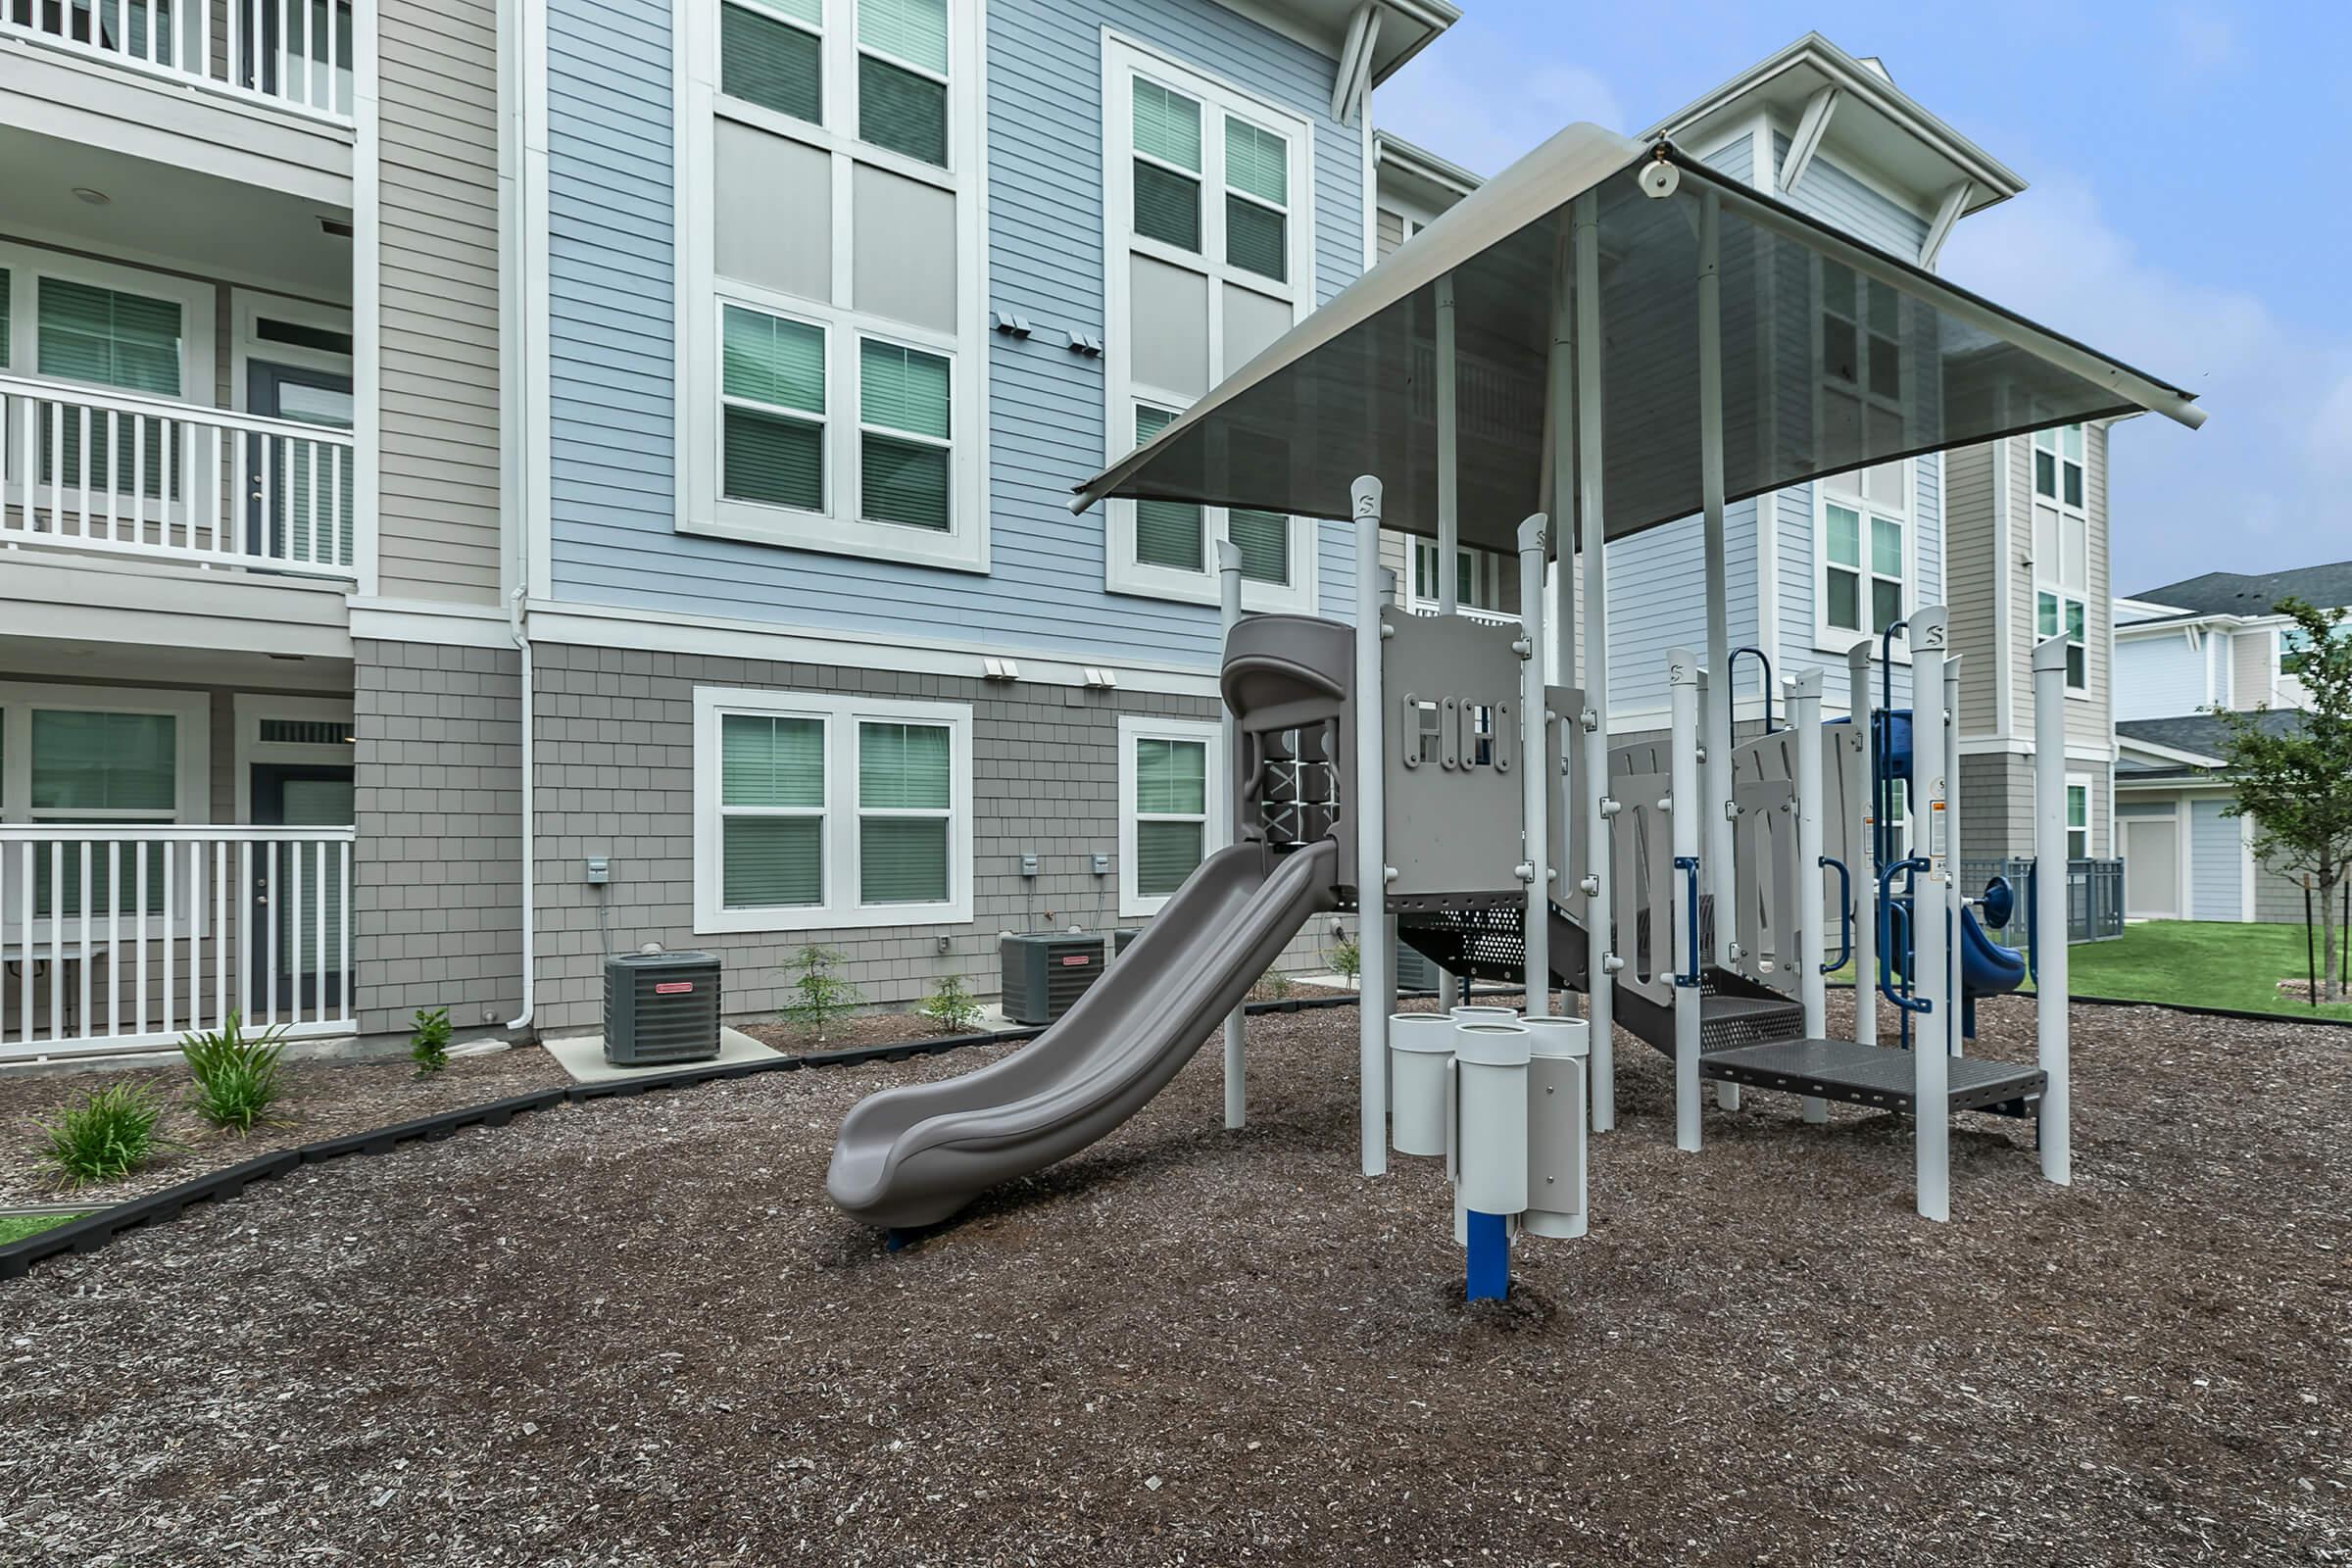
(2259, 486)
(1482, 114)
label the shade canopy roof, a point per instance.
(1836, 356)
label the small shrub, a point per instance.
(236, 1079)
(951, 1008)
(1272, 986)
(1347, 958)
(428, 1042)
(110, 1134)
(820, 998)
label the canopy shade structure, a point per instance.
(1836, 356)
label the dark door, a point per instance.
(282, 521)
(311, 901)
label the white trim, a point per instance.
(2245, 880)
(1833, 639)
(2086, 782)
(1123, 59)
(365, 320)
(700, 428)
(671, 631)
(536, 460)
(1811, 126)
(1209, 734)
(840, 715)
(423, 621)
(247, 308)
(251, 707)
(2022, 746)
(191, 736)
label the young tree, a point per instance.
(2296, 782)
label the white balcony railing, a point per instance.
(94, 470)
(294, 54)
(1492, 617)
(127, 938)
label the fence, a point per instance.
(2095, 895)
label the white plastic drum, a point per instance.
(1559, 1049)
(1491, 1057)
(1420, 1044)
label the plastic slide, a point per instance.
(1986, 968)
(914, 1155)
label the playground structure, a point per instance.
(1624, 308)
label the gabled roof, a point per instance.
(2231, 593)
(1413, 164)
(1866, 111)
(2195, 740)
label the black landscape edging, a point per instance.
(93, 1230)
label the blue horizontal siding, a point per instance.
(611, 350)
(2217, 864)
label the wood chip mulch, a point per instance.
(634, 1332)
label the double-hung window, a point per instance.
(824, 811)
(98, 757)
(2062, 548)
(1208, 246)
(1863, 523)
(1171, 807)
(1863, 517)
(2077, 819)
(1478, 578)
(829, 214)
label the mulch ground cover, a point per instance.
(634, 1332)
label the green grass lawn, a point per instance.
(16, 1227)
(2197, 963)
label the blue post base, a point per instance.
(1488, 1277)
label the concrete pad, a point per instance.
(583, 1057)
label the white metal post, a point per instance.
(1534, 772)
(2050, 901)
(1953, 988)
(1862, 812)
(1930, 914)
(1228, 615)
(1686, 818)
(1602, 1008)
(1371, 848)
(1812, 909)
(1449, 511)
(1722, 875)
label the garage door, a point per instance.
(2151, 869)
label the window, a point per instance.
(2294, 647)
(1208, 261)
(1859, 342)
(2078, 820)
(1478, 576)
(1172, 807)
(1863, 525)
(772, 387)
(820, 811)
(2062, 548)
(104, 757)
(833, 367)
(904, 447)
(902, 76)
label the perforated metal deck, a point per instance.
(1874, 1075)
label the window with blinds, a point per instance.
(1167, 166)
(902, 76)
(817, 811)
(1257, 196)
(1167, 533)
(772, 391)
(773, 54)
(1171, 812)
(904, 436)
(108, 337)
(111, 770)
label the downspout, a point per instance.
(516, 623)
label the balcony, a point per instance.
(293, 54)
(125, 938)
(1429, 606)
(89, 469)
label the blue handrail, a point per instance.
(1688, 865)
(1846, 912)
(1887, 988)
(1731, 662)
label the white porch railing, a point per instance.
(94, 470)
(127, 938)
(295, 53)
(1492, 617)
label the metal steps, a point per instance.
(1874, 1075)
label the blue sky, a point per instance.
(2180, 211)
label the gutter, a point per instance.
(517, 622)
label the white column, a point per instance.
(1682, 907)
(1812, 908)
(1951, 834)
(1229, 608)
(1371, 850)
(1602, 1008)
(1722, 874)
(1449, 512)
(1862, 814)
(2050, 991)
(1930, 910)
(1534, 774)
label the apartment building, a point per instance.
(450, 444)
(2181, 652)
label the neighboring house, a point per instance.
(2181, 652)
(444, 439)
